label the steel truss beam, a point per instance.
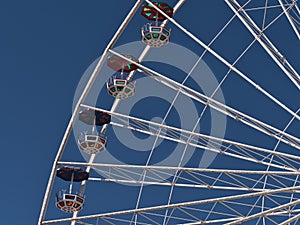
(219, 57)
(175, 206)
(168, 184)
(290, 18)
(263, 127)
(263, 213)
(272, 212)
(237, 218)
(264, 41)
(292, 219)
(233, 113)
(200, 170)
(249, 180)
(218, 141)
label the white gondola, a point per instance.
(120, 88)
(69, 202)
(92, 142)
(155, 36)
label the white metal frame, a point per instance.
(228, 111)
(264, 41)
(179, 205)
(232, 148)
(77, 107)
(289, 16)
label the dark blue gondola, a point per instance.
(92, 117)
(72, 174)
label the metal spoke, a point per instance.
(228, 111)
(264, 41)
(177, 205)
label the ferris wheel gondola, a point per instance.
(156, 35)
(120, 86)
(92, 141)
(263, 185)
(70, 202)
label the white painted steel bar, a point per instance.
(285, 212)
(77, 107)
(263, 213)
(137, 182)
(265, 128)
(177, 205)
(226, 62)
(265, 42)
(176, 177)
(271, 160)
(218, 221)
(220, 140)
(239, 116)
(236, 218)
(288, 16)
(132, 73)
(196, 177)
(292, 219)
(117, 101)
(147, 48)
(214, 149)
(113, 108)
(125, 170)
(297, 8)
(202, 170)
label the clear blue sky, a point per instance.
(45, 47)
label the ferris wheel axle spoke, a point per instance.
(292, 219)
(191, 177)
(235, 114)
(276, 190)
(190, 169)
(205, 138)
(226, 62)
(263, 40)
(137, 182)
(205, 145)
(253, 216)
(141, 57)
(200, 170)
(120, 220)
(161, 216)
(296, 30)
(176, 205)
(218, 221)
(210, 148)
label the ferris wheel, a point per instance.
(201, 132)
